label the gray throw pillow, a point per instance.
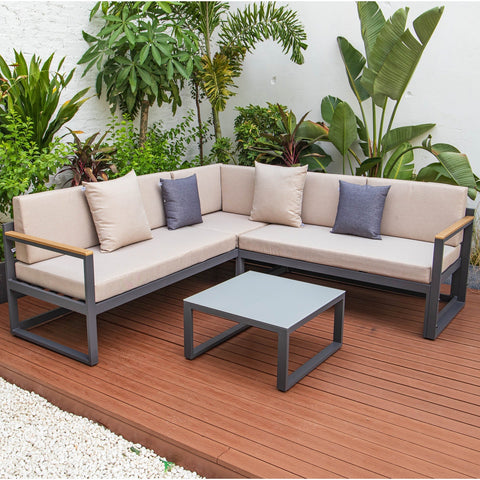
(360, 210)
(181, 202)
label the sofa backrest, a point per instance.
(320, 197)
(59, 215)
(209, 185)
(238, 186)
(152, 197)
(420, 210)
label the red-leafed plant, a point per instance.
(90, 162)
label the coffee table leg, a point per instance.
(188, 331)
(282, 360)
(285, 381)
(192, 352)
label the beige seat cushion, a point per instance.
(118, 212)
(238, 184)
(59, 215)
(278, 194)
(132, 266)
(228, 223)
(209, 186)
(392, 256)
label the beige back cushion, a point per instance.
(278, 194)
(152, 197)
(238, 185)
(320, 197)
(209, 186)
(59, 215)
(118, 212)
(420, 210)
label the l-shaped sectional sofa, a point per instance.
(60, 239)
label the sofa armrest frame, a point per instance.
(435, 320)
(16, 288)
(47, 244)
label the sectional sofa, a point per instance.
(89, 249)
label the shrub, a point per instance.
(249, 125)
(164, 149)
(24, 167)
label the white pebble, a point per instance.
(37, 439)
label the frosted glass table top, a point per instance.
(267, 299)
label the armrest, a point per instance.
(453, 229)
(48, 244)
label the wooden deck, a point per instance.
(388, 404)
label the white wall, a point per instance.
(442, 91)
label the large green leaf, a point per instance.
(354, 62)
(397, 136)
(458, 168)
(343, 129)
(316, 158)
(329, 104)
(309, 130)
(399, 65)
(388, 36)
(371, 22)
(400, 164)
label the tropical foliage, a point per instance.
(381, 76)
(89, 162)
(295, 144)
(238, 33)
(249, 125)
(141, 56)
(33, 93)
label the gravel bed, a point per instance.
(38, 440)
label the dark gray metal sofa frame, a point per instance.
(88, 307)
(435, 321)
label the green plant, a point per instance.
(89, 161)
(24, 167)
(295, 144)
(475, 252)
(249, 125)
(222, 151)
(238, 34)
(142, 56)
(33, 92)
(163, 149)
(392, 53)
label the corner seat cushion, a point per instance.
(228, 223)
(392, 257)
(131, 266)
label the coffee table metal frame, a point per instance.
(200, 302)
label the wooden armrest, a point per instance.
(454, 228)
(48, 243)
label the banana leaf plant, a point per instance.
(372, 146)
(295, 145)
(90, 162)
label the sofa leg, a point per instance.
(92, 338)
(431, 314)
(239, 265)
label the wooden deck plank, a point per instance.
(388, 404)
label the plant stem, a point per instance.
(393, 116)
(374, 120)
(143, 122)
(199, 121)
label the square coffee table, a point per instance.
(273, 303)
